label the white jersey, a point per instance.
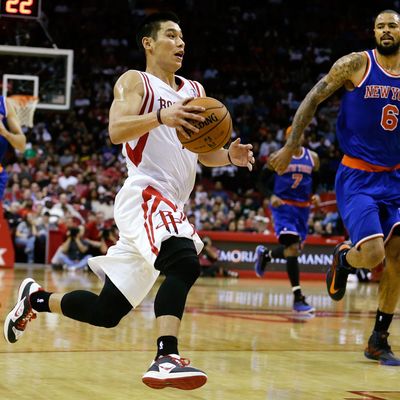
(158, 158)
(149, 207)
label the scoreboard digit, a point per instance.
(20, 8)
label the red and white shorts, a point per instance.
(145, 218)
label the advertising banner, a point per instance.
(237, 250)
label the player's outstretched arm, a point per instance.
(238, 154)
(14, 136)
(345, 71)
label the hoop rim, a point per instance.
(23, 99)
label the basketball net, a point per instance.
(25, 106)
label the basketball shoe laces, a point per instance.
(21, 324)
(29, 316)
(183, 362)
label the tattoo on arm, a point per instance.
(341, 71)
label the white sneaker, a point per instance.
(173, 371)
(22, 313)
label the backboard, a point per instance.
(38, 71)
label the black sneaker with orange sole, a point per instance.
(336, 277)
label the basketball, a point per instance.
(214, 132)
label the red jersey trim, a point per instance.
(181, 84)
(148, 194)
(194, 88)
(198, 88)
(136, 154)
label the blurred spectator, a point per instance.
(64, 209)
(67, 179)
(12, 215)
(268, 146)
(25, 236)
(71, 254)
(210, 267)
(219, 191)
(105, 205)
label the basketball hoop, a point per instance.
(25, 106)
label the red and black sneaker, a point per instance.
(336, 277)
(22, 313)
(173, 371)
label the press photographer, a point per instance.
(72, 254)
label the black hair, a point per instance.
(151, 24)
(388, 12)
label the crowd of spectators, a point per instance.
(259, 58)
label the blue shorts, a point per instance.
(3, 183)
(291, 220)
(368, 202)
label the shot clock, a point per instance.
(20, 8)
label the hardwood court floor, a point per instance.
(241, 332)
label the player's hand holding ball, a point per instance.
(212, 132)
(182, 116)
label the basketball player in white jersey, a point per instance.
(155, 235)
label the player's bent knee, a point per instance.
(293, 250)
(105, 318)
(178, 257)
(372, 252)
(374, 257)
(188, 269)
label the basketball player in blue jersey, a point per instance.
(290, 206)
(368, 179)
(10, 134)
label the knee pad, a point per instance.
(105, 309)
(178, 257)
(187, 269)
(180, 275)
(105, 316)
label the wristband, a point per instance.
(229, 159)
(159, 116)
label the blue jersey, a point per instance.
(368, 126)
(295, 183)
(3, 141)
